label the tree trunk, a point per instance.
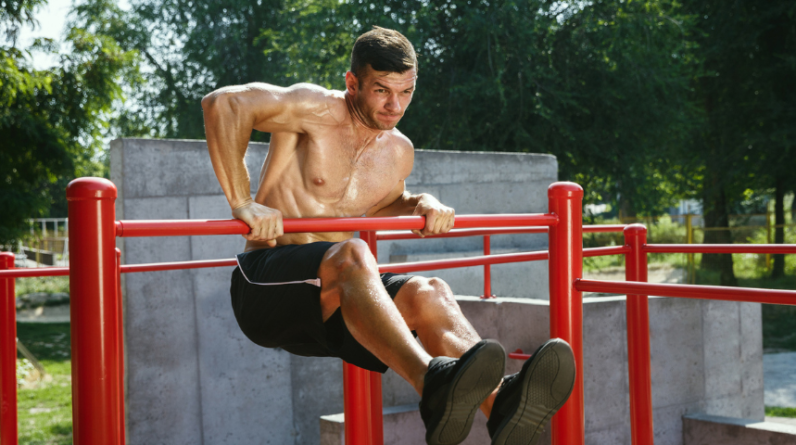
(716, 215)
(779, 220)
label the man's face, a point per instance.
(381, 97)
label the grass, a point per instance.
(49, 285)
(45, 410)
(777, 411)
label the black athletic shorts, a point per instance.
(276, 301)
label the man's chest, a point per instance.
(350, 178)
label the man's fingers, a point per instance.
(431, 220)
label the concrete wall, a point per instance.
(703, 429)
(192, 377)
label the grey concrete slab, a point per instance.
(677, 361)
(668, 422)
(703, 429)
(396, 391)
(233, 372)
(721, 326)
(162, 370)
(605, 365)
(213, 247)
(158, 167)
(780, 379)
(317, 390)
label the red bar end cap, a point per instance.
(6, 260)
(90, 188)
(564, 189)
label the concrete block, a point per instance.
(722, 330)
(677, 360)
(403, 426)
(213, 247)
(668, 422)
(397, 391)
(605, 363)
(703, 429)
(162, 369)
(317, 384)
(484, 167)
(615, 435)
(160, 167)
(247, 387)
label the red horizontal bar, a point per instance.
(482, 232)
(605, 251)
(456, 233)
(303, 225)
(464, 262)
(177, 265)
(720, 248)
(604, 228)
(723, 293)
(39, 272)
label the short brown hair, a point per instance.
(384, 50)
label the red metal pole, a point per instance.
(94, 316)
(8, 355)
(120, 343)
(566, 302)
(356, 388)
(376, 404)
(638, 339)
(487, 270)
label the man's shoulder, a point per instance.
(319, 101)
(401, 141)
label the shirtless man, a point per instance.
(336, 154)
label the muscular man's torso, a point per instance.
(335, 168)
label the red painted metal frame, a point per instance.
(487, 270)
(8, 355)
(721, 293)
(236, 227)
(566, 302)
(638, 339)
(95, 284)
(96, 396)
(720, 248)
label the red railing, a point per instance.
(97, 366)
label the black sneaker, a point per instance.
(527, 400)
(454, 389)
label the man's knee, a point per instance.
(426, 292)
(348, 256)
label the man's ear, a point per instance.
(351, 82)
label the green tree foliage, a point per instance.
(51, 121)
(745, 87)
(603, 85)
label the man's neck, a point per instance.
(360, 122)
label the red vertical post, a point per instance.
(93, 312)
(638, 339)
(356, 388)
(566, 303)
(487, 270)
(120, 343)
(8, 354)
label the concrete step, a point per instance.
(403, 426)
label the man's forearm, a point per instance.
(227, 141)
(403, 206)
